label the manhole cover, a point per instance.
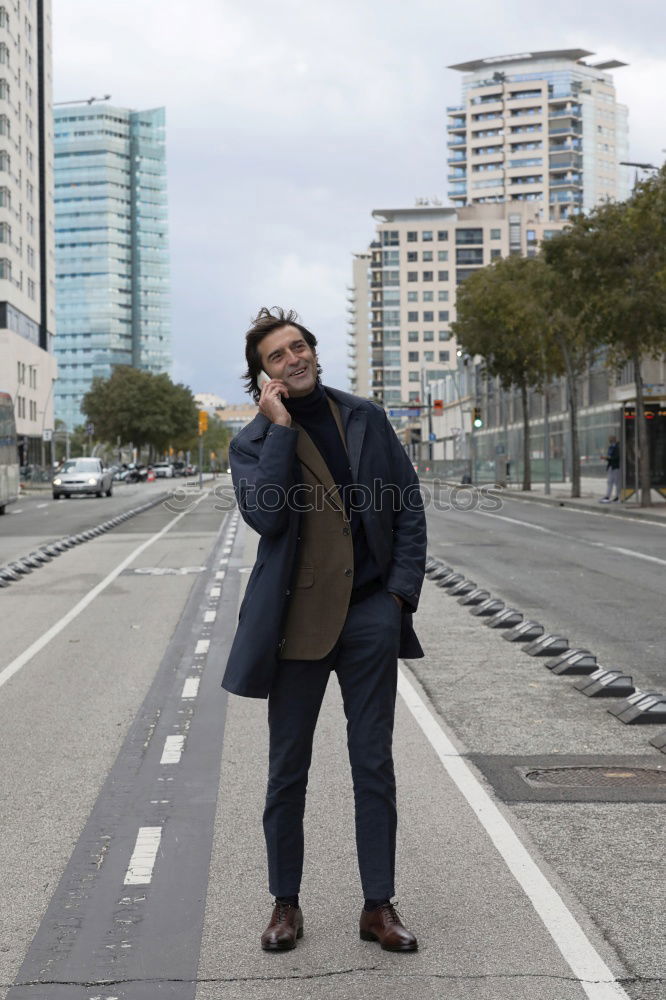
(597, 775)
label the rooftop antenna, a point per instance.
(86, 100)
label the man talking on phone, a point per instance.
(322, 478)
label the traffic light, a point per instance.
(203, 421)
(477, 419)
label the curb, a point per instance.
(45, 553)
(559, 502)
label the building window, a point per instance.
(442, 255)
(428, 335)
(412, 317)
(469, 236)
(443, 315)
(413, 377)
(531, 236)
(427, 255)
(428, 275)
(442, 296)
(4, 18)
(428, 316)
(412, 296)
(412, 236)
(4, 54)
(412, 336)
(495, 254)
(428, 296)
(442, 234)
(443, 335)
(5, 268)
(5, 232)
(428, 355)
(5, 161)
(472, 256)
(4, 90)
(30, 255)
(391, 258)
(412, 355)
(444, 355)
(412, 275)
(5, 197)
(496, 234)
(390, 238)
(427, 236)
(442, 275)
(5, 127)
(32, 291)
(412, 256)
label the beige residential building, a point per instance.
(541, 127)
(358, 334)
(418, 258)
(27, 315)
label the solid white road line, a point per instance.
(210, 616)
(190, 688)
(573, 538)
(142, 862)
(587, 965)
(51, 633)
(201, 647)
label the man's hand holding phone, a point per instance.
(270, 401)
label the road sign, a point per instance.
(432, 436)
(203, 421)
(47, 435)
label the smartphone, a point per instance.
(262, 378)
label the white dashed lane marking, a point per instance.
(191, 687)
(201, 647)
(215, 592)
(210, 616)
(173, 750)
(142, 862)
(220, 574)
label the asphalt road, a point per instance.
(131, 855)
(597, 580)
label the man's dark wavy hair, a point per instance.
(265, 322)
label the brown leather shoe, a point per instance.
(384, 925)
(285, 925)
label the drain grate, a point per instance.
(596, 776)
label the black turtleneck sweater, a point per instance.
(313, 414)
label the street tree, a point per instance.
(499, 319)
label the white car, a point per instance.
(82, 475)
(163, 470)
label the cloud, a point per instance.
(288, 123)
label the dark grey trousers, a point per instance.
(365, 659)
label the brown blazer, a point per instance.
(324, 572)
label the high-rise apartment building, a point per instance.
(542, 127)
(112, 257)
(418, 258)
(27, 317)
(358, 339)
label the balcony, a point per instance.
(458, 158)
(458, 141)
(575, 181)
(573, 112)
(376, 283)
(454, 107)
(573, 160)
(457, 178)
(457, 124)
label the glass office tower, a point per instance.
(112, 256)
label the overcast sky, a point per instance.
(287, 123)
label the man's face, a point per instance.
(286, 355)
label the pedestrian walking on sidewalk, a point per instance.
(323, 479)
(612, 457)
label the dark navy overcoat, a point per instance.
(264, 466)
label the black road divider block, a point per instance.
(641, 706)
(525, 632)
(547, 644)
(574, 661)
(464, 587)
(475, 596)
(486, 609)
(451, 581)
(605, 683)
(508, 618)
(441, 573)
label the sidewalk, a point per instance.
(591, 492)
(480, 936)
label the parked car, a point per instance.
(163, 470)
(82, 475)
(179, 468)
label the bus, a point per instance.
(9, 467)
